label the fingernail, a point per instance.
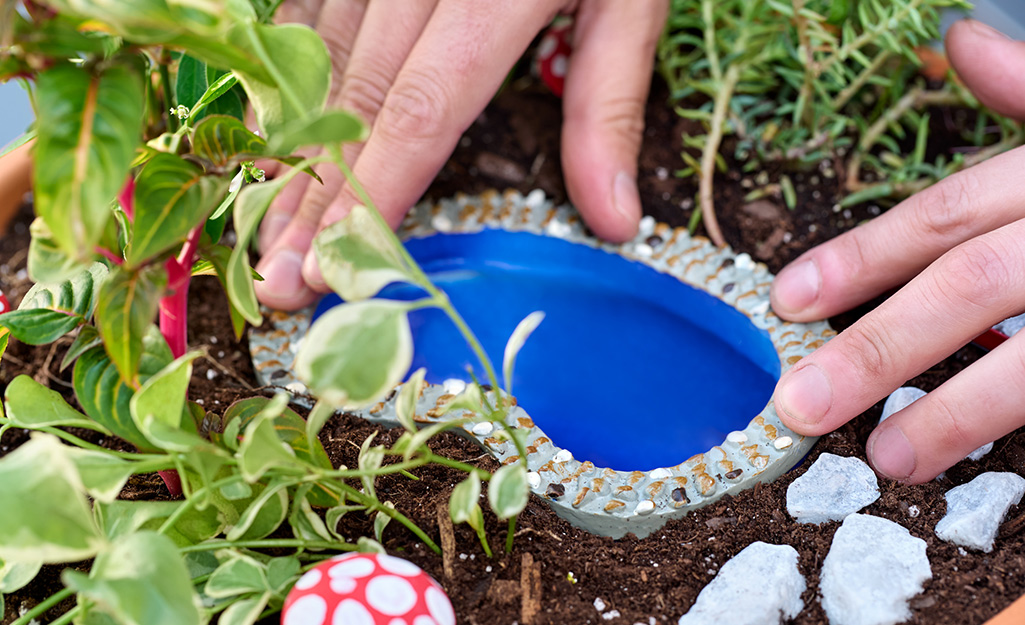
(625, 197)
(797, 287)
(806, 395)
(271, 229)
(891, 453)
(985, 30)
(282, 277)
(311, 272)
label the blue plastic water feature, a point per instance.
(631, 369)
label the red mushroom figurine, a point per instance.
(367, 589)
(553, 54)
(5, 305)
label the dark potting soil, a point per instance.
(555, 571)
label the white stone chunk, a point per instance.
(759, 586)
(564, 455)
(975, 510)
(1011, 326)
(831, 489)
(977, 455)
(899, 400)
(873, 568)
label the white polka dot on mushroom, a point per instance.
(342, 585)
(311, 579)
(391, 595)
(309, 609)
(559, 65)
(424, 620)
(356, 567)
(398, 621)
(547, 46)
(398, 566)
(349, 612)
(440, 607)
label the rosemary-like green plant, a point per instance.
(141, 157)
(800, 81)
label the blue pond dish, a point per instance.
(631, 368)
(645, 392)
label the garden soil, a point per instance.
(556, 573)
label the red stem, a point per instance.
(111, 256)
(127, 198)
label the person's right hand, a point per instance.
(960, 247)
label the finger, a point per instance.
(975, 407)
(370, 70)
(607, 86)
(887, 251)
(991, 64)
(298, 12)
(443, 86)
(338, 24)
(960, 295)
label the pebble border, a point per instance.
(600, 500)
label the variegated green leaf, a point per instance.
(127, 306)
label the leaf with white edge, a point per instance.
(31, 405)
(290, 428)
(369, 545)
(470, 400)
(299, 63)
(519, 337)
(172, 196)
(465, 497)
(357, 258)
(89, 126)
(245, 611)
(327, 128)
(43, 508)
(283, 572)
(88, 338)
(47, 263)
(262, 449)
(420, 438)
(15, 575)
(250, 206)
(317, 418)
(370, 459)
(405, 403)
(103, 476)
(121, 518)
(264, 515)
(508, 490)
(74, 296)
(225, 141)
(238, 576)
(140, 580)
(381, 520)
(356, 352)
(38, 326)
(161, 399)
(126, 308)
(306, 524)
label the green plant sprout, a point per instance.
(141, 158)
(801, 81)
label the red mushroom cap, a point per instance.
(367, 589)
(5, 305)
(552, 55)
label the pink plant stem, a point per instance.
(111, 256)
(127, 198)
(174, 308)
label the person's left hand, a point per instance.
(421, 71)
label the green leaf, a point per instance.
(244, 611)
(172, 196)
(356, 352)
(519, 337)
(299, 66)
(191, 83)
(261, 448)
(121, 518)
(508, 490)
(264, 515)
(219, 256)
(39, 326)
(88, 338)
(465, 497)
(327, 128)
(15, 575)
(306, 524)
(220, 97)
(381, 520)
(47, 263)
(31, 405)
(405, 403)
(105, 397)
(240, 575)
(250, 207)
(141, 580)
(88, 127)
(225, 141)
(126, 308)
(288, 426)
(369, 460)
(282, 573)
(49, 311)
(103, 476)
(43, 508)
(357, 258)
(161, 399)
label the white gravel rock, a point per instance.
(1011, 326)
(873, 568)
(899, 400)
(759, 586)
(975, 510)
(831, 489)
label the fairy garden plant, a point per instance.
(799, 83)
(141, 158)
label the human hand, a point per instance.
(420, 72)
(958, 246)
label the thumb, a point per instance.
(991, 64)
(607, 86)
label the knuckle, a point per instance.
(363, 93)
(414, 109)
(868, 350)
(977, 273)
(949, 210)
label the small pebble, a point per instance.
(913, 512)
(1011, 326)
(737, 437)
(761, 585)
(454, 386)
(975, 510)
(782, 442)
(483, 428)
(534, 479)
(645, 507)
(831, 489)
(643, 250)
(660, 474)
(210, 374)
(611, 614)
(874, 566)
(564, 455)
(599, 604)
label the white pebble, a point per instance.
(899, 400)
(454, 386)
(611, 614)
(977, 455)
(873, 568)
(913, 511)
(441, 222)
(1011, 326)
(660, 474)
(483, 428)
(210, 374)
(533, 479)
(645, 507)
(782, 442)
(599, 604)
(744, 262)
(737, 437)
(975, 510)
(644, 250)
(831, 489)
(761, 585)
(564, 455)
(647, 224)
